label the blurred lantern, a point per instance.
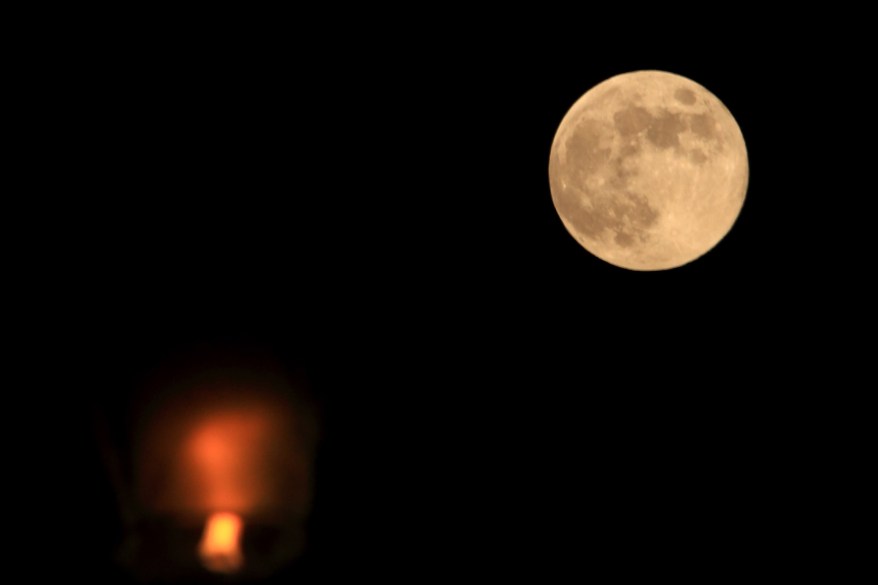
(221, 470)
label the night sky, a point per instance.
(496, 401)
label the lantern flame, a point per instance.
(220, 546)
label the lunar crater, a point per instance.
(586, 149)
(632, 120)
(698, 157)
(703, 125)
(664, 131)
(685, 96)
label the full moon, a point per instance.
(648, 170)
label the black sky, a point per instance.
(373, 207)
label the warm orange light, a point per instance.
(225, 461)
(220, 546)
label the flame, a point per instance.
(220, 546)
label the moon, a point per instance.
(648, 170)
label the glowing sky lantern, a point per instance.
(224, 458)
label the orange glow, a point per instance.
(220, 546)
(226, 457)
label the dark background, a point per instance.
(370, 204)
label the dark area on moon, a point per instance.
(373, 210)
(614, 210)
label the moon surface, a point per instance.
(648, 170)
